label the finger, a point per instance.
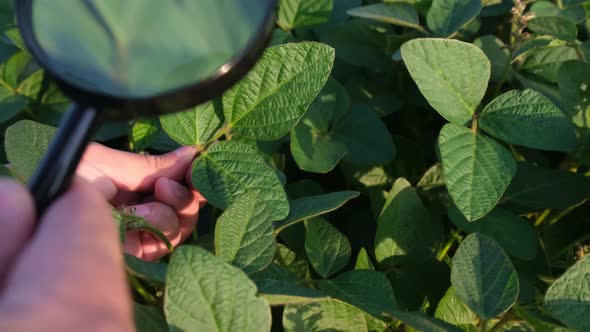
(135, 172)
(132, 244)
(17, 220)
(160, 216)
(73, 261)
(185, 202)
(153, 248)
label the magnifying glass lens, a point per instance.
(143, 48)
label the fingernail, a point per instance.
(186, 152)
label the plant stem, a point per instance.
(454, 237)
(566, 212)
(149, 298)
(483, 327)
(542, 217)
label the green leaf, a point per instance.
(541, 324)
(421, 322)
(404, 227)
(517, 236)
(446, 17)
(574, 83)
(483, 277)
(530, 119)
(148, 319)
(300, 13)
(25, 143)
(568, 298)
(154, 272)
(363, 261)
(365, 136)
(205, 294)
(559, 27)
(359, 43)
(313, 145)
(452, 75)
(279, 287)
(477, 169)
(498, 55)
(545, 62)
(244, 234)
(196, 126)
(397, 13)
(364, 289)
(327, 316)
(288, 259)
(453, 311)
(327, 249)
(271, 100)
(143, 133)
(541, 188)
(313, 206)
(229, 169)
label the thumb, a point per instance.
(132, 171)
(16, 222)
(73, 261)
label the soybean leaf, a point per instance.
(404, 227)
(446, 17)
(205, 294)
(288, 259)
(154, 272)
(516, 235)
(279, 287)
(300, 13)
(313, 145)
(568, 298)
(366, 137)
(477, 169)
(328, 315)
(453, 311)
(483, 276)
(530, 119)
(195, 126)
(143, 133)
(359, 43)
(452, 75)
(244, 234)
(25, 143)
(148, 319)
(539, 188)
(229, 169)
(545, 61)
(327, 249)
(312, 206)
(365, 289)
(574, 80)
(559, 27)
(363, 261)
(498, 55)
(538, 323)
(422, 322)
(271, 100)
(397, 13)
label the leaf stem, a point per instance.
(565, 212)
(505, 319)
(149, 298)
(542, 217)
(455, 236)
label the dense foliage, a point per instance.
(387, 166)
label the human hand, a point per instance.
(69, 275)
(149, 186)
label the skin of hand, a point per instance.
(149, 186)
(69, 274)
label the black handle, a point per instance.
(55, 172)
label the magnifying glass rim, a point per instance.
(173, 100)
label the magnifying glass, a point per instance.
(124, 58)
